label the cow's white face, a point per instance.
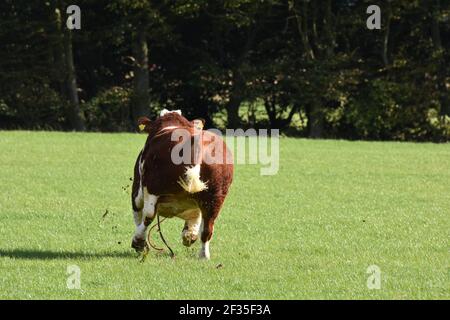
(165, 111)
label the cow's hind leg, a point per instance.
(148, 214)
(210, 213)
(207, 231)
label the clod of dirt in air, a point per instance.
(119, 242)
(219, 266)
(126, 188)
(105, 214)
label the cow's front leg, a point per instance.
(148, 213)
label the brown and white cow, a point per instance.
(194, 192)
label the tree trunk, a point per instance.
(76, 116)
(141, 98)
(315, 33)
(328, 30)
(270, 110)
(236, 98)
(302, 27)
(277, 121)
(385, 48)
(59, 54)
(315, 121)
(238, 89)
(441, 73)
(435, 32)
(312, 110)
(233, 120)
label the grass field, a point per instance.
(311, 231)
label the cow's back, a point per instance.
(161, 174)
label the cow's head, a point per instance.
(168, 119)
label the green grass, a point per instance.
(311, 231)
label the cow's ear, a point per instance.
(144, 124)
(199, 123)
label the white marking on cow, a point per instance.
(165, 111)
(139, 202)
(149, 204)
(137, 217)
(204, 251)
(139, 199)
(141, 168)
(191, 181)
(140, 231)
(169, 128)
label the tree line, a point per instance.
(309, 68)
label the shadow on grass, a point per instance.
(33, 254)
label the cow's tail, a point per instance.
(191, 182)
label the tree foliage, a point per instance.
(310, 68)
